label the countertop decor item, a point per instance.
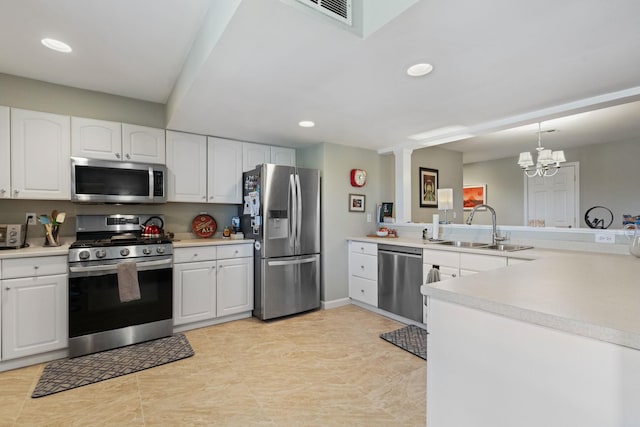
(204, 225)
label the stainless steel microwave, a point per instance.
(12, 235)
(103, 181)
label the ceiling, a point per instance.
(252, 69)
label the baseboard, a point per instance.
(326, 305)
(390, 315)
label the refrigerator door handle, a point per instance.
(298, 213)
(291, 262)
(292, 211)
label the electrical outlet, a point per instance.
(454, 214)
(368, 217)
(31, 217)
(605, 238)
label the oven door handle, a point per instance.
(114, 267)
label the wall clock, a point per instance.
(358, 177)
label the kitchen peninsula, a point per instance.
(553, 342)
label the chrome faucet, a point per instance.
(494, 234)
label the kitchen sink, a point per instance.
(505, 247)
(459, 244)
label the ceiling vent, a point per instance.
(337, 9)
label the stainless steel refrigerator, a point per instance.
(281, 212)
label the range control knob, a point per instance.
(160, 249)
(101, 253)
(13, 233)
(125, 252)
(84, 255)
(146, 251)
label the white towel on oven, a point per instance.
(128, 285)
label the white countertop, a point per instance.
(593, 295)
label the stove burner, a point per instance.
(118, 241)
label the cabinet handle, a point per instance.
(7, 288)
(117, 155)
(36, 267)
(362, 267)
(362, 291)
(2, 191)
(362, 249)
(453, 275)
(196, 254)
(16, 191)
(127, 156)
(204, 197)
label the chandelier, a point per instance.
(547, 164)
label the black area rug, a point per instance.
(61, 375)
(410, 338)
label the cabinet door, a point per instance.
(187, 167)
(40, 149)
(96, 139)
(224, 166)
(34, 315)
(254, 154)
(194, 292)
(143, 144)
(5, 160)
(283, 156)
(235, 286)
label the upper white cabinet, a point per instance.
(143, 144)
(283, 156)
(254, 154)
(100, 139)
(5, 159)
(96, 139)
(40, 149)
(257, 154)
(224, 165)
(187, 167)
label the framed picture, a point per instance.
(356, 202)
(428, 188)
(387, 209)
(474, 195)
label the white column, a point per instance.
(403, 184)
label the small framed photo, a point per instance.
(356, 202)
(428, 188)
(474, 195)
(387, 209)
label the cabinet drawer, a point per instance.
(364, 248)
(235, 251)
(365, 266)
(35, 266)
(197, 253)
(364, 290)
(446, 273)
(436, 257)
(481, 262)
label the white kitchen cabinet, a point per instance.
(283, 156)
(474, 263)
(5, 159)
(194, 291)
(447, 262)
(235, 279)
(34, 306)
(40, 150)
(254, 154)
(143, 144)
(96, 139)
(224, 166)
(187, 167)
(363, 272)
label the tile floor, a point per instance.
(323, 368)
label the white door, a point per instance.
(194, 292)
(254, 154)
(40, 149)
(34, 315)
(187, 167)
(553, 201)
(283, 156)
(143, 144)
(96, 139)
(224, 166)
(235, 286)
(5, 159)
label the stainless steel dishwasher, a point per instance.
(399, 280)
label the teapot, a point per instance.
(149, 229)
(632, 231)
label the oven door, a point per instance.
(94, 300)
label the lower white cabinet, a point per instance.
(34, 307)
(363, 272)
(211, 282)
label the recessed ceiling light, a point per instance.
(56, 45)
(418, 70)
(306, 124)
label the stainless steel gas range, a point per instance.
(107, 247)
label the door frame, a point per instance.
(576, 196)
